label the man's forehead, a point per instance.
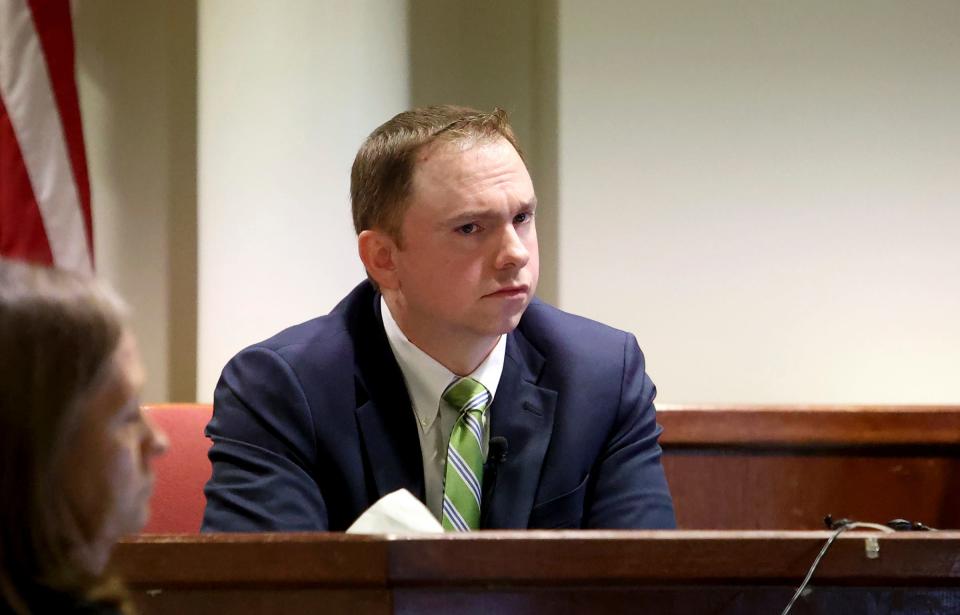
(461, 147)
(446, 161)
(452, 174)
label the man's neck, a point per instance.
(461, 359)
(460, 353)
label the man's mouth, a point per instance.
(510, 291)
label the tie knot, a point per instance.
(466, 394)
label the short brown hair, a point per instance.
(58, 334)
(383, 169)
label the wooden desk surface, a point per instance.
(533, 572)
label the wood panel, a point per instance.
(208, 560)
(535, 572)
(844, 426)
(787, 467)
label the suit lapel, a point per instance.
(523, 413)
(384, 413)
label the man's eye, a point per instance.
(524, 217)
(468, 229)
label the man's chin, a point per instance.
(508, 323)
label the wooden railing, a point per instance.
(539, 572)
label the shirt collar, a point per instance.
(426, 378)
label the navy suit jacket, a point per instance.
(314, 425)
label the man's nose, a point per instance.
(513, 251)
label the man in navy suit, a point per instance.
(315, 424)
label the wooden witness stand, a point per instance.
(786, 467)
(570, 572)
(732, 471)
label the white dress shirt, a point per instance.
(426, 380)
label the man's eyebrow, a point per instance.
(465, 217)
(481, 214)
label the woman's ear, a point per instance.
(378, 252)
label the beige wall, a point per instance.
(136, 75)
(767, 193)
(287, 93)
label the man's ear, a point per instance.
(378, 253)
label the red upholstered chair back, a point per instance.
(177, 503)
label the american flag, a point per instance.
(44, 189)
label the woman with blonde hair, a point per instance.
(75, 448)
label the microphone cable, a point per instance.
(842, 527)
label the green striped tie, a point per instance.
(464, 473)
